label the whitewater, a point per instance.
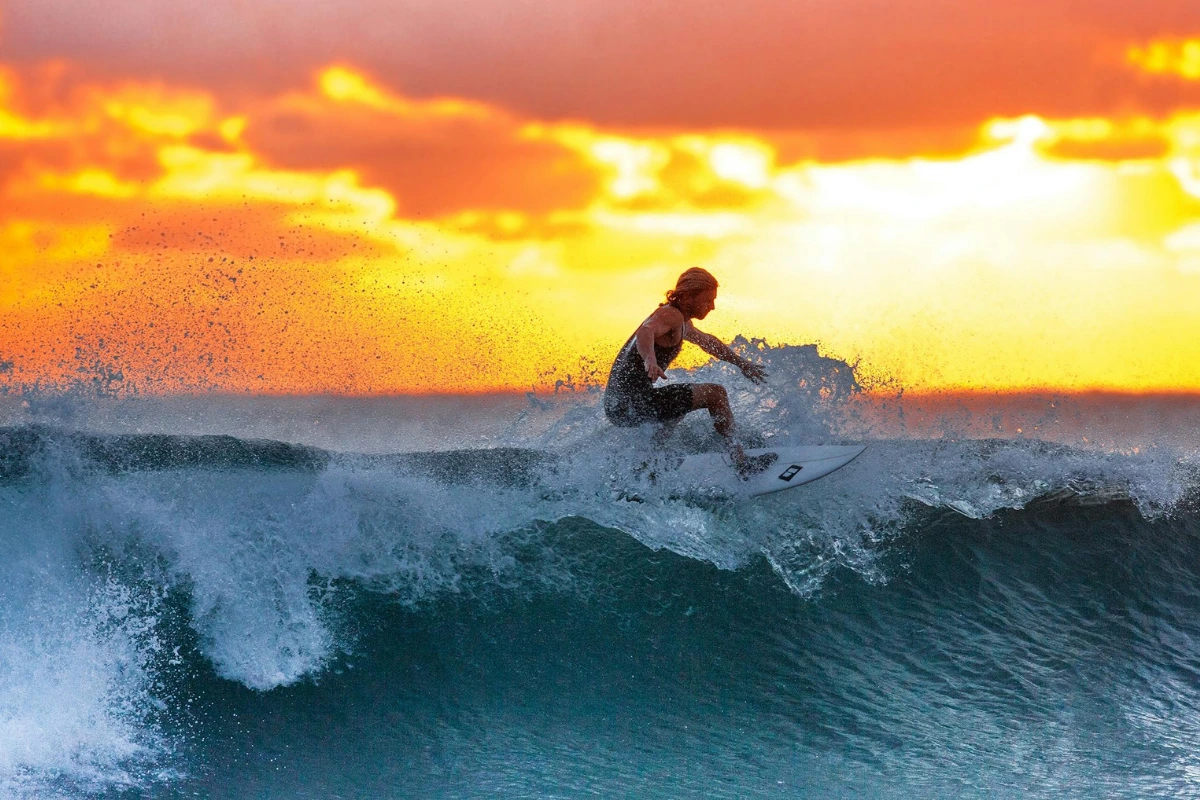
(237, 597)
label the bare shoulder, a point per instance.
(669, 314)
(664, 319)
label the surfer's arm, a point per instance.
(718, 349)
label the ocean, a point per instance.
(492, 596)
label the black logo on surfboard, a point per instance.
(790, 472)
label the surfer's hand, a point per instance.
(655, 372)
(754, 372)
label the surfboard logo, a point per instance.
(790, 472)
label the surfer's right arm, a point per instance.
(660, 323)
(715, 347)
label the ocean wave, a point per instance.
(130, 563)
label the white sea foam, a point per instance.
(76, 689)
(260, 552)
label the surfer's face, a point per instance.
(698, 305)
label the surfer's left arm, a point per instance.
(718, 349)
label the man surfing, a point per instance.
(632, 399)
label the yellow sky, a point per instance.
(338, 235)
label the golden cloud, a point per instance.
(1174, 56)
(434, 157)
(345, 237)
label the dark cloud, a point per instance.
(862, 64)
(433, 164)
(133, 160)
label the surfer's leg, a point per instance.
(670, 404)
(714, 397)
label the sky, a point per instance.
(406, 196)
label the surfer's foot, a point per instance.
(748, 466)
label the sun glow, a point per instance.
(272, 246)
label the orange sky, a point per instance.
(412, 196)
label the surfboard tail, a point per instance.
(801, 465)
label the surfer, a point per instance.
(632, 399)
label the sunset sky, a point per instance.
(372, 196)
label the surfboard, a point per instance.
(796, 466)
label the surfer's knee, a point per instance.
(710, 396)
(714, 397)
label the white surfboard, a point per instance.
(796, 466)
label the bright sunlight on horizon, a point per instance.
(337, 211)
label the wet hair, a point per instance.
(692, 281)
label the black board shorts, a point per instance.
(662, 404)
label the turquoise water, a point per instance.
(507, 606)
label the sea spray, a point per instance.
(201, 563)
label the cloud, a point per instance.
(848, 65)
(1129, 139)
(339, 232)
(1178, 57)
(435, 157)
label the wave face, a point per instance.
(249, 598)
